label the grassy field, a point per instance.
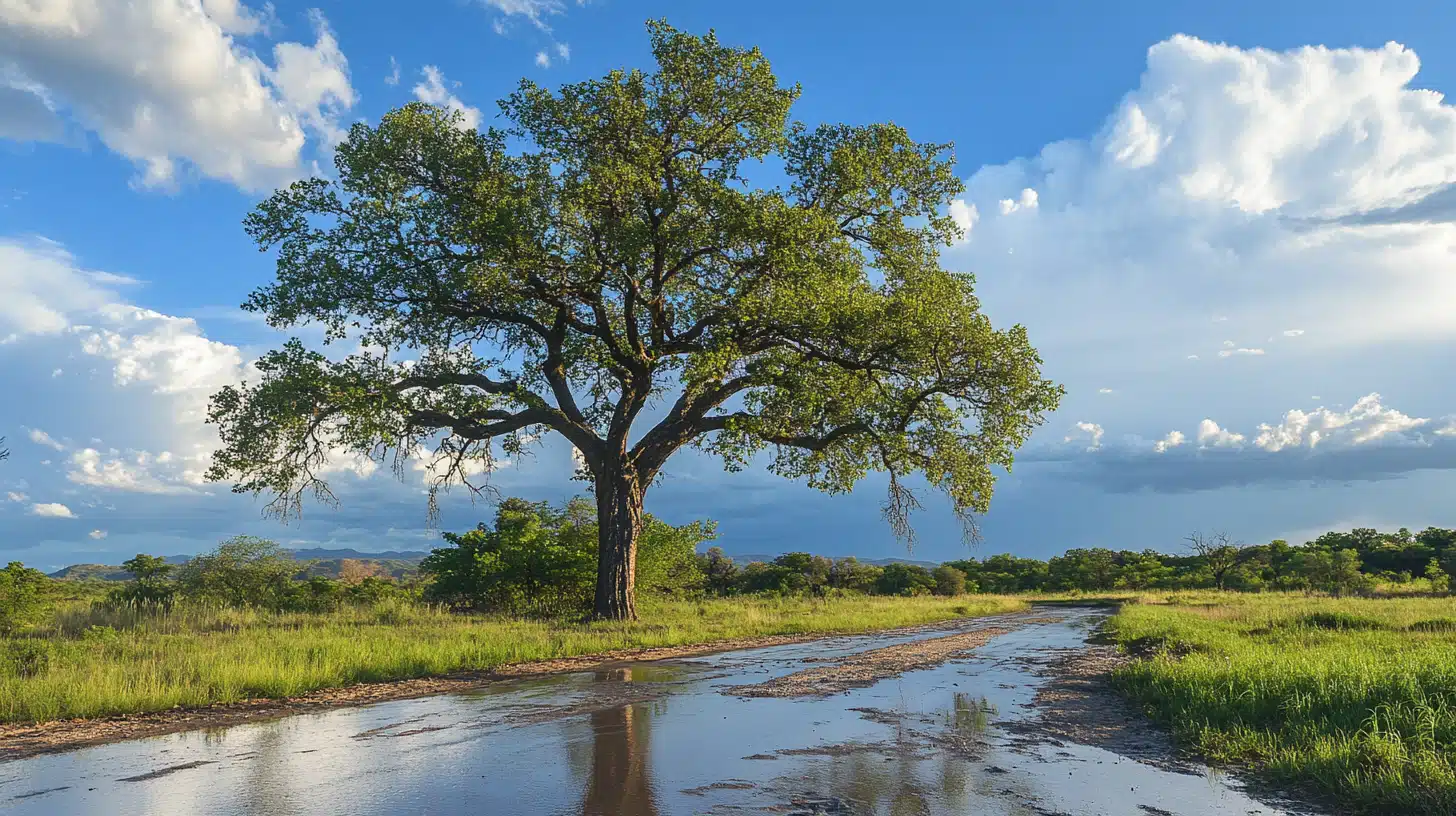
(1354, 699)
(89, 662)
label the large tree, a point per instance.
(606, 252)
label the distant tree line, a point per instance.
(1335, 562)
(539, 559)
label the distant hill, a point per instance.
(327, 562)
(92, 572)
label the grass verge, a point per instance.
(1352, 699)
(91, 663)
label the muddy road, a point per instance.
(993, 716)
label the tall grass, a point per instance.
(1354, 699)
(92, 662)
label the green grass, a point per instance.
(90, 663)
(1352, 699)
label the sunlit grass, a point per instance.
(90, 662)
(1353, 698)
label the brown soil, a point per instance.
(20, 740)
(867, 668)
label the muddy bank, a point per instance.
(1077, 703)
(867, 668)
(20, 740)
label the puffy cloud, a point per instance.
(435, 90)
(1293, 332)
(1233, 181)
(543, 59)
(51, 510)
(1368, 442)
(235, 18)
(1172, 440)
(1026, 201)
(96, 535)
(1241, 352)
(1210, 435)
(16, 496)
(965, 216)
(393, 78)
(166, 84)
(313, 80)
(1366, 421)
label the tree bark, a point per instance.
(619, 520)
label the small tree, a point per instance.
(949, 581)
(1218, 552)
(22, 597)
(719, 572)
(151, 584)
(608, 252)
(1440, 581)
(852, 575)
(242, 571)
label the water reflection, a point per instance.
(619, 781)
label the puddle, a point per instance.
(663, 738)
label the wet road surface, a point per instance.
(656, 738)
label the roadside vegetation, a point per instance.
(1350, 698)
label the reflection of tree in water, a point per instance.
(910, 774)
(618, 783)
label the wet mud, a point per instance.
(867, 668)
(1008, 716)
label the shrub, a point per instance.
(949, 581)
(243, 571)
(22, 597)
(151, 586)
(905, 579)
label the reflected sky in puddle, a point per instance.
(645, 739)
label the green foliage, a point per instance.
(1350, 697)
(905, 579)
(22, 596)
(539, 560)
(719, 572)
(151, 584)
(608, 250)
(850, 575)
(949, 581)
(242, 571)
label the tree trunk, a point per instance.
(619, 520)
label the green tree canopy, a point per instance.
(607, 250)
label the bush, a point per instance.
(905, 579)
(22, 597)
(541, 560)
(25, 658)
(243, 571)
(150, 587)
(949, 581)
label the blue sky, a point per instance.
(1228, 229)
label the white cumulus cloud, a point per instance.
(51, 510)
(1210, 435)
(1366, 421)
(1172, 440)
(170, 85)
